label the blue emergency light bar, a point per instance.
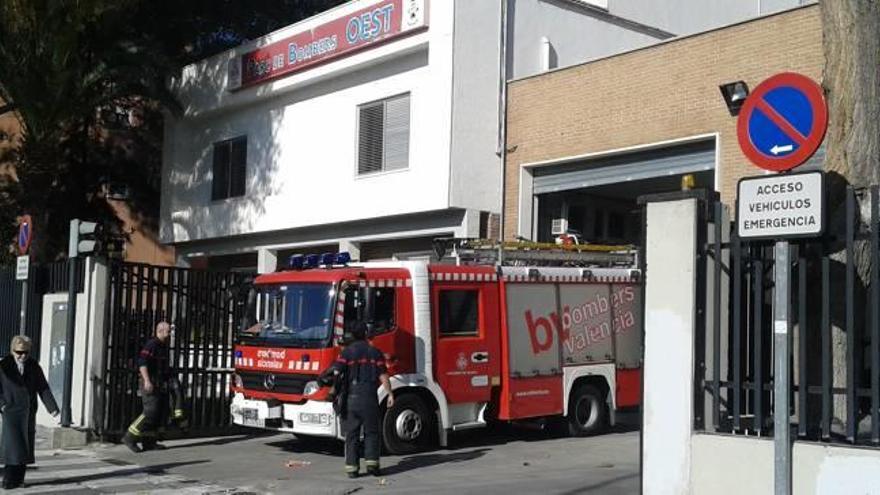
(328, 259)
(302, 261)
(296, 262)
(311, 261)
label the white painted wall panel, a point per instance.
(669, 346)
(476, 168)
(575, 33)
(683, 17)
(732, 465)
(302, 143)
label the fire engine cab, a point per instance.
(506, 338)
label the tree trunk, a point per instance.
(851, 39)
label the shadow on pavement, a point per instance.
(154, 469)
(302, 445)
(600, 485)
(493, 435)
(222, 440)
(502, 433)
(428, 460)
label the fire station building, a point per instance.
(585, 141)
(373, 127)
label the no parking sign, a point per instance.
(782, 122)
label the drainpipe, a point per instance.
(501, 149)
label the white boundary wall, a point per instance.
(88, 351)
(675, 459)
(724, 464)
(670, 291)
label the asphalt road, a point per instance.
(502, 460)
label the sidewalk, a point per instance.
(96, 470)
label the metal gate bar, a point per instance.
(198, 303)
(839, 402)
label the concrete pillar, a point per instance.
(470, 224)
(352, 248)
(670, 322)
(267, 260)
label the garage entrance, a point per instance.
(595, 199)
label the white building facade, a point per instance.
(372, 127)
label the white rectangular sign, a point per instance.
(780, 206)
(22, 264)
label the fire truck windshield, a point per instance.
(292, 315)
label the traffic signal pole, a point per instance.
(71, 323)
(88, 231)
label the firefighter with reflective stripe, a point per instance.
(363, 366)
(156, 383)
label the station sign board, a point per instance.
(338, 37)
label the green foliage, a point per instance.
(68, 66)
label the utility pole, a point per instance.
(81, 241)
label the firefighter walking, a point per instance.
(159, 390)
(363, 367)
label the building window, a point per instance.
(230, 168)
(383, 135)
(459, 312)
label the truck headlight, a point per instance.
(311, 388)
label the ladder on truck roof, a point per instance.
(467, 251)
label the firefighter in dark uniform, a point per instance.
(363, 366)
(156, 384)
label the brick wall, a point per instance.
(9, 131)
(665, 92)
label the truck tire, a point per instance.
(587, 411)
(407, 426)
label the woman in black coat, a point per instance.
(21, 380)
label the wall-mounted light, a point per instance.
(735, 94)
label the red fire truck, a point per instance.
(466, 344)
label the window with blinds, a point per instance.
(383, 135)
(230, 168)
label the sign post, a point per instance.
(781, 125)
(22, 266)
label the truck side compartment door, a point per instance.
(467, 357)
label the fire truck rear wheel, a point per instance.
(407, 426)
(587, 412)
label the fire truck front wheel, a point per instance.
(407, 426)
(587, 413)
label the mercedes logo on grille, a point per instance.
(269, 382)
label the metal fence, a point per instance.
(202, 305)
(835, 361)
(42, 279)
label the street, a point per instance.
(503, 460)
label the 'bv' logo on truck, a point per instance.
(546, 342)
(589, 317)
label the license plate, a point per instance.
(314, 418)
(251, 417)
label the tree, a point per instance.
(190, 31)
(60, 62)
(65, 65)
(851, 39)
